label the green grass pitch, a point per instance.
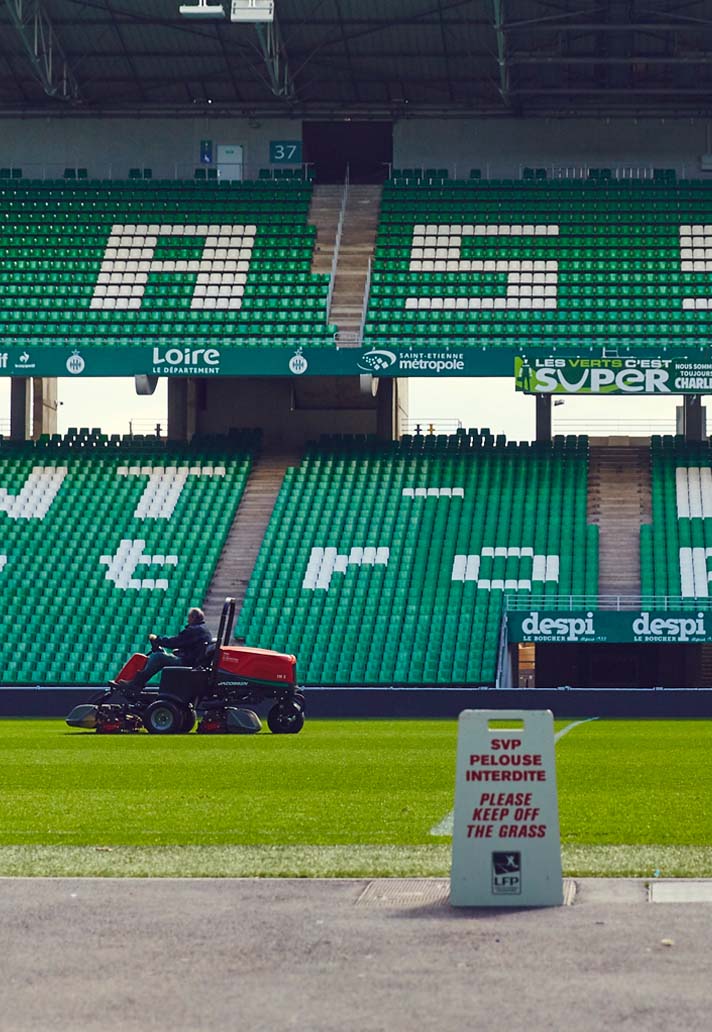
(343, 798)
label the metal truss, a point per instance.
(273, 51)
(46, 56)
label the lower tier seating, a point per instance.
(389, 563)
(103, 542)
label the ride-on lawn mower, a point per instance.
(232, 679)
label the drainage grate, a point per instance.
(405, 892)
(423, 892)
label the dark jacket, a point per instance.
(190, 644)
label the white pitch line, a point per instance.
(445, 827)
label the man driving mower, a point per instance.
(189, 647)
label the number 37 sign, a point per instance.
(285, 152)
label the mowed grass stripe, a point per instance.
(642, 782)
(338, 782)
(343, 798)
(354, 861)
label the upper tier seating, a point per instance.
(105, 541)
(676, 549)
(151, 262)
(388, 564)
(544, 263)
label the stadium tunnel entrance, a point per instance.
(366, 147)
(610, 665)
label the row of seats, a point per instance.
(134, 263)
(389, 563)
(105, 540)
(542, 264)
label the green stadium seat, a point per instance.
(541, 263)
(105, 543)
(676, 547)
(389, 563)
(71, 256)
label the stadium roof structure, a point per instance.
(359, 58)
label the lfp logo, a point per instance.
(298, 363)
(376, 361)
(506, 874)
(75, 364)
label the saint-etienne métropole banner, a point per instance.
(599, 376)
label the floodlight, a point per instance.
(202, 9)
(252, 11)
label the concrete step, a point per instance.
(619, 497)
(246, 534)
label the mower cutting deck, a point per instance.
(219, 694)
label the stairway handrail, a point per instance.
(337, 243)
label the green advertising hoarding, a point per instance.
(222, 357)
(619, 375)
(590, 626)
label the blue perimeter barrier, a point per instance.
(428, 703)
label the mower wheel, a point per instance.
(285, 719)
(189, 719)
(163, 718)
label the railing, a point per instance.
(621, 603)
(146, 426)
(366, 293)
(84, 171)
(504, 666)
(436, 425)
(337, 243)
(618, 173)
(87, 170)
(626, 172)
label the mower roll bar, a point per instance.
(227, 619)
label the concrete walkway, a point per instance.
(367, 956)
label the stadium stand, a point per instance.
(542, 263)
(104, 540)
(387, 562)
(145, 261)
(675, 550)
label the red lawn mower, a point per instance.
(220, 693)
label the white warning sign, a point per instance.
(506, 849)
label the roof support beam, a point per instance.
(274, 54)
(499, 28)
(46, 56)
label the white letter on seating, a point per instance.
(37, 494)
(438, 248)
(220, 272)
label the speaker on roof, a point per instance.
(252, 11)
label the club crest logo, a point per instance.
(75, 364)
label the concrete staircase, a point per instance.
(358, 241)
(324, 214)
(244, 539)
(619, 500)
